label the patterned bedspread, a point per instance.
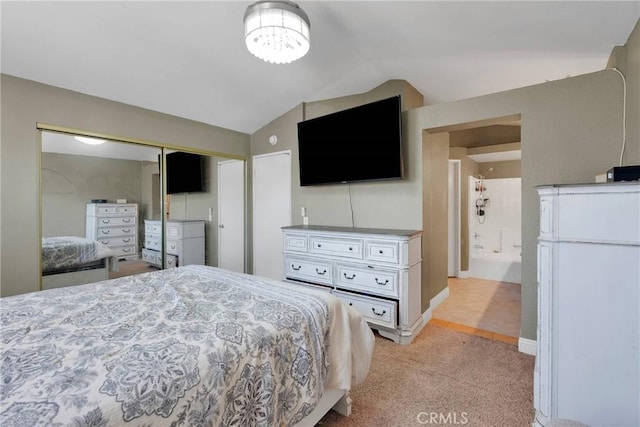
(192, 345)
(70, 251)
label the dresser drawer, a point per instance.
(116, 210)
(375, 310)
(295, 242)
(116, 231)
(152, 228)
(118, 220)
(171, 261)
(382, 251)
(313, 270)
(185, 230)
(334, 246)
(117, 241)
(174, 247)
(150, 256)
(127, 251)
(152, 243)
(367, 279)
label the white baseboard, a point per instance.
(435, 301)
(527, 346)
(463, 274)
(438, 299)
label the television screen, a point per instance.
(359, 144)
(184, 173)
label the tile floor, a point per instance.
(481, 307)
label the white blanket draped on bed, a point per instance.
(64, 252)
(192, 345)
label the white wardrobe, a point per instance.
(588, 354)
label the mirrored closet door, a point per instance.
(105, 214)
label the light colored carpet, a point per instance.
(449, 377)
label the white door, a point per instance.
(231, 215)
(271, 211)
(454, 218)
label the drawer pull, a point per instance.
(350, 248)
(319, 273)
(126, 230)
(106, 221)
(105, 231)
(380, 251)
(128, 220)
(349, 278)
(294, 268)
(381, 283)
(319, 245)
(350, 303)
(126, 240)
(105, 242)
(126, 249)
(378, 314)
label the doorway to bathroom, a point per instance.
(484, 241)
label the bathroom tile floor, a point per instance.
(481, 307)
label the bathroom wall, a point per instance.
(497, 226)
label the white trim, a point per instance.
(527, 346)
(455, 166)
(435, 301)
(440, 297)
(464, 274)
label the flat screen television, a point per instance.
(363, 143)
(185, 173)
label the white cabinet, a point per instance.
(185, 242)
(588, 350)
(376, 271)
(116, 226)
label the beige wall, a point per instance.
(570, 133)
(384, 204)
(24, 104)
(69, 182)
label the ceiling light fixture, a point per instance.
(90, 141)
(276, 31)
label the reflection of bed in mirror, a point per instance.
(72, 260)
(191, 345)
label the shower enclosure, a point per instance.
(495, 228)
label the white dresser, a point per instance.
(185, 242)
(588, 349)
(376, 271)
(116, 226)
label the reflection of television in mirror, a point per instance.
(363, 143)
(184, 173)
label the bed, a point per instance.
(72, 260)
(192, 345)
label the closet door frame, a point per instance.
(163, 147)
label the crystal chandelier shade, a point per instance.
(276, 31)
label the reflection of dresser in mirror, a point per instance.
(185, 242)
(115, 225)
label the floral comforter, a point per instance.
(191, 345)
(65, 252)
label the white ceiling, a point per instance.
(188, 58)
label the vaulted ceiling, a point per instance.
(188, 58)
